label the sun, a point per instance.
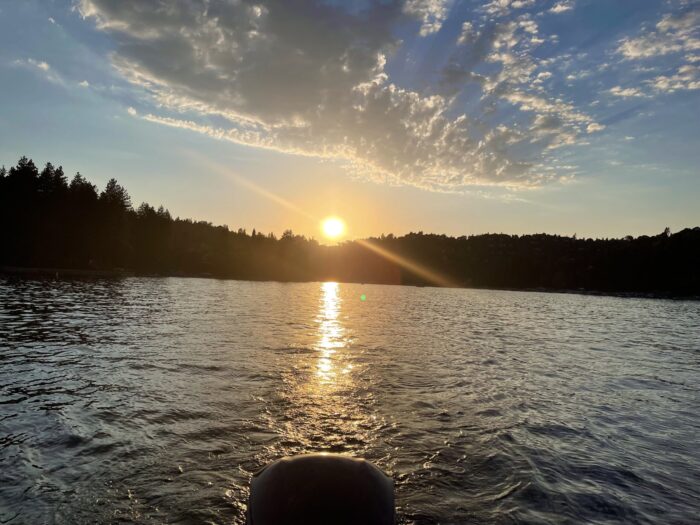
(333, 227)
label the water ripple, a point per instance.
(154, 400)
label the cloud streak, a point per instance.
(41, 67)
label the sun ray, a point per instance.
(426, 273)
(414, 267)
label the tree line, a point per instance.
(51, 222)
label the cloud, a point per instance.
(467, 34)
(625, 92)
(52, 20)
(41, 67)
(579, 75)
(311, 78)
(564, 122)
(432, 13)
(562, 7)
(39, 64)
(674, 33)
(686, 78)
(504, 7)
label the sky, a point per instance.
(446, 116)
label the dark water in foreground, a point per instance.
(153, 400)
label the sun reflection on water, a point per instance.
(328, 408)
(331, 333)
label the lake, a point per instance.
(153, 400)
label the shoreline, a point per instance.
(64, 272)
(117, 273)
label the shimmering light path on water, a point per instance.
(154, 400)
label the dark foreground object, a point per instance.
(321, 489)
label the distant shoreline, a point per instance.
(67, 272)
(121, 273)
(55, 227)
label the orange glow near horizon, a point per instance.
(332, 227)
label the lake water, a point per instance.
(154, 400)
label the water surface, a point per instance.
(154, 400)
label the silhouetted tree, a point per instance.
(115, 204)
(82, 223)
(47, 222)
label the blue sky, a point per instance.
(448, 116)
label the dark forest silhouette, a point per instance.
(48, 222)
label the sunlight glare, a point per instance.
(333, 227)
(330, 331)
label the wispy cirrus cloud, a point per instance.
(45, 70)
(562, 7)
(38, 64)
(42, 67)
